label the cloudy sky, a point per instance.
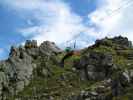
(61, 21)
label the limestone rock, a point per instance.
(16, 72)
(48, 48)
(93, 75)
(95, 66)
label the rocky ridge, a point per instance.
(17, 71)
(103, 71)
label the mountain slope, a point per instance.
(103, 71)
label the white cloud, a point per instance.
(1, 52)
(113, 17)
(56, 21)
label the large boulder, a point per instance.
(125, 78)
(48, 48)
(19, 70)
(95, 66)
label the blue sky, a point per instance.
(62, 20)
(82, 7)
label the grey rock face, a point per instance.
(95, 66)
(48, 48)
(19, 71)
(16, 72)
(125, 78)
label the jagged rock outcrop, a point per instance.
(120, 43)
(17, 71)
(95, 66)
(101, 72)
(47, 48)
(123, 41)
